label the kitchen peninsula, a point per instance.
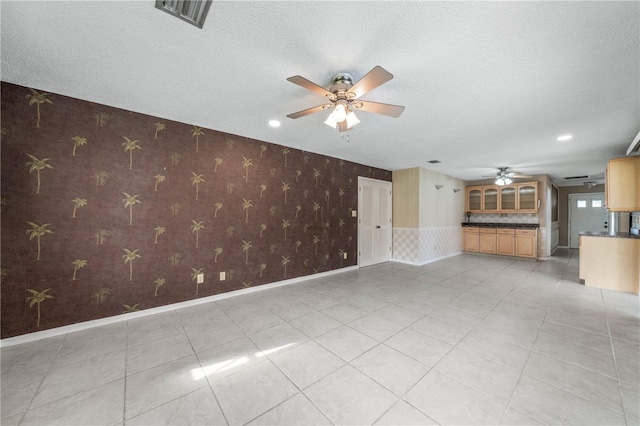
(610, 261)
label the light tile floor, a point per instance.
(466, 340)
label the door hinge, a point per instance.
(359, 254)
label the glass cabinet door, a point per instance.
(490, 196)
(474, 198)
(527, 197)
(508, 198)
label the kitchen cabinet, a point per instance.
(622, 184)
(506, 242)
(527, 197)
(471, 239)
(474, 199)
(503, 241)
(490, 199)
(526, 243)
(508, 197)
(488, 240)
(610, 263)
(515, 198)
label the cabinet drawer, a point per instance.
(525, 232)
(487, 230)
(506, 231)
(471, 230)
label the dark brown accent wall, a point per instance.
(106, 211)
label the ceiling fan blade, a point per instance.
(309, 111)
(370, 81)
(378, 108)
(303, 82)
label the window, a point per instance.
(596, 204)
(582, 204)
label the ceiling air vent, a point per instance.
(576, 177)
(434, 161)
(192, 11)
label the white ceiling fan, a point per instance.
(505, 177)
(343, 98)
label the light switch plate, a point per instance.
(223, 276)
(200, 278)
(354, 213)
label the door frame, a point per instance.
(362, 179)
(569, 211)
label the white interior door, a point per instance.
(586, 213)
(374, 223)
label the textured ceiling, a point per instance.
(485, 84)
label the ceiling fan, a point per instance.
(504, 176)
(343, 98)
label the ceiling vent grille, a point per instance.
(576, 177)
(192, 11)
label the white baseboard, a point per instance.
(428, 261)
(31, 337)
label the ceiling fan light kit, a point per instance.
(343, 94)
(503, 177)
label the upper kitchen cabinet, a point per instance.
(508, 196)
(528, 197)
(622, 184)
(515, 198)
(490, 199)
(474, 199)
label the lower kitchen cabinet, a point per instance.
(502, 241)
(506, 242)
(471, 239)
(526, 243)
(488, 240)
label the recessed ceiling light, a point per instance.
(274, 123)
(564, 138)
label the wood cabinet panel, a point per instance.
(622, 184)
(610, 263)
(526, 243)
(516, 198)
(506, 243)
(488, 240)
(471, 239)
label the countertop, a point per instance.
(605, 234)
(502, 225)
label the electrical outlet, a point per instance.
(200, 278)
(345, 254)
(223, 276)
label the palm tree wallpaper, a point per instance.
(142, 207)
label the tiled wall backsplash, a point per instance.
(504, 218)
(635, 220)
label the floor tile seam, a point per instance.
(127, 419)
(615, 364)
(155, 339)
(58, 399)
(346, 361)
(557, 386)
(504, 404)
(520, 375)
(440, 340)
(43, 380)
(504, 340)
(590, 401)
(537, 351)
(402, 398)
(573, 342)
